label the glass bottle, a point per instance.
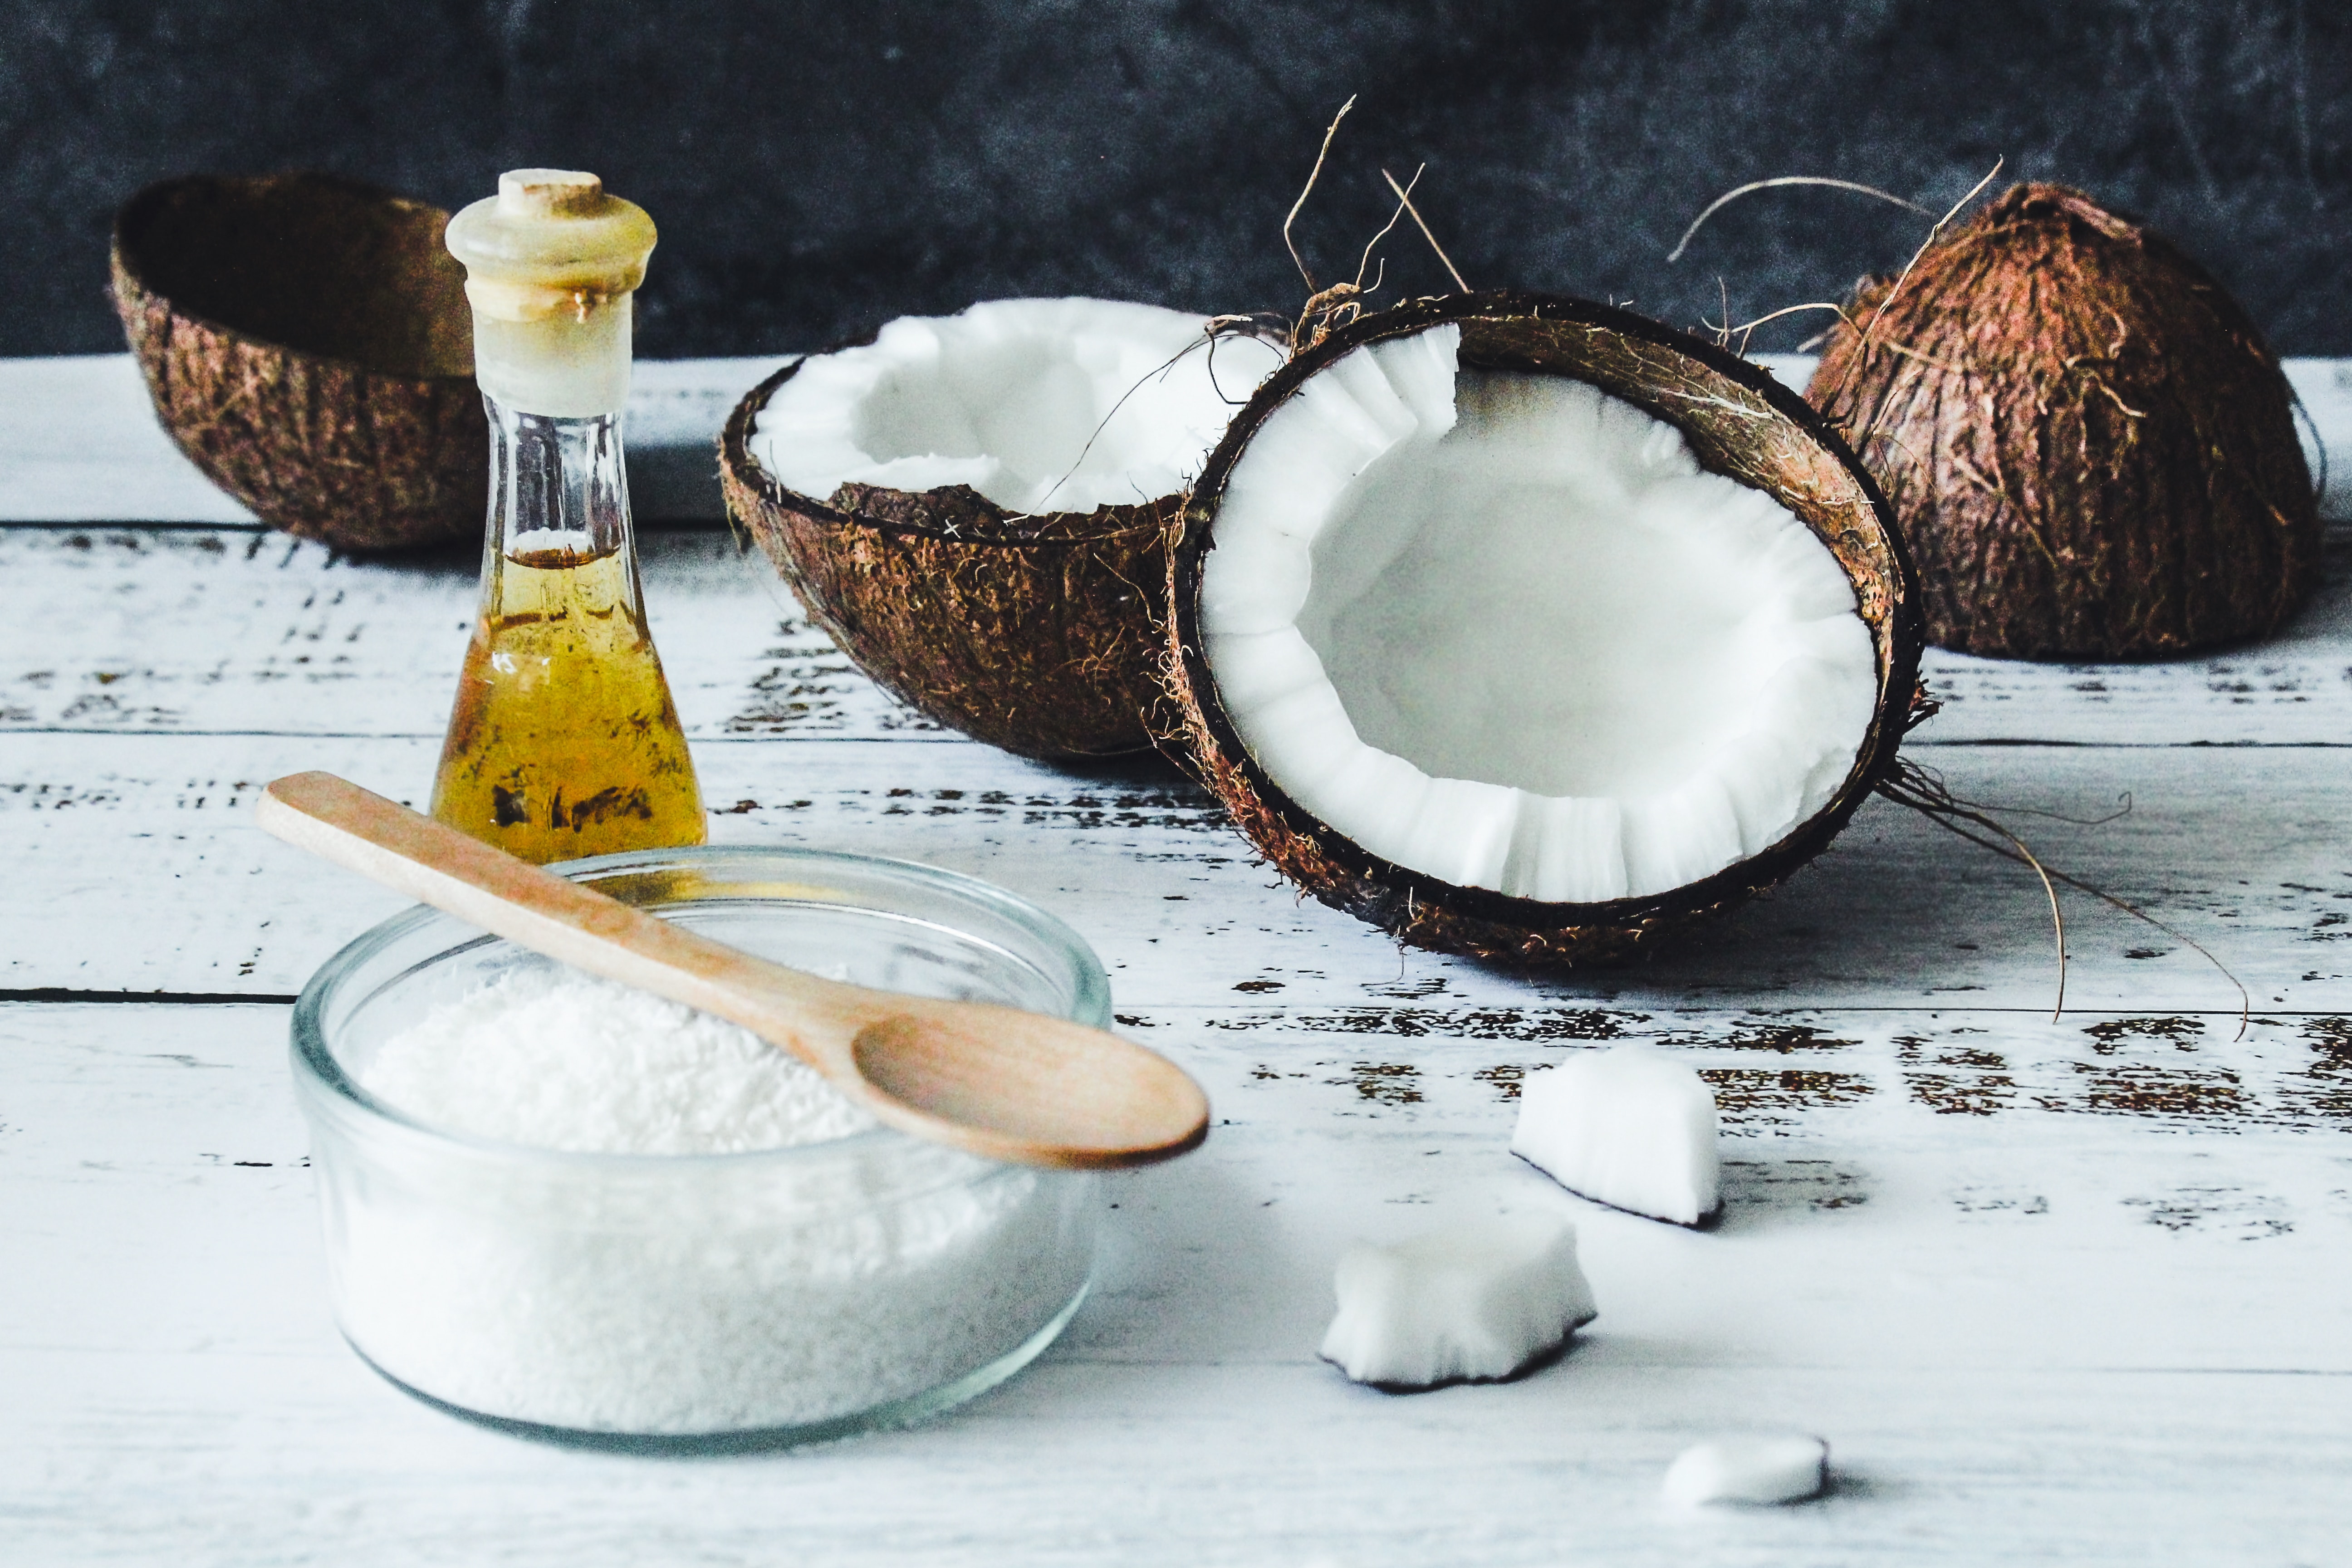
(563, 741)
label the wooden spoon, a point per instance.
(997, 1081)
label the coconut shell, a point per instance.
(1035, 633)
(2090, 447)
(1740, 423)
(307, 344)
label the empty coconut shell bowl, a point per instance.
(307, 344)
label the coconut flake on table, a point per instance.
(1748, 1469)
(1503, 630)
(1630, 1128)
(1475, 1302)
(552, 1058)
(1038, 405)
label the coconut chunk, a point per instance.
(1748, 1469)
(1630, 1128)
(1038, 404)
(1529, 595)
(1474, 1301)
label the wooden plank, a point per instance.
(294, 1460)
(2248, 850)
(80, 442)
(2295, 688)
(142, 629)
(148, 629)
(2094, 1339)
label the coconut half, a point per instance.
(2090, 446)
(1522, 627)
(974, 506)
(307, 343)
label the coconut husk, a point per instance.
(1739, 423)
(307, 344)
(2090, 446)
(1034, 633)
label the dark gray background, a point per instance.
(818, 168)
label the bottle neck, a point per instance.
(558, 486)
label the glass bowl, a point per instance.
(703, 1301)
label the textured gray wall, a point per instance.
(818, 167)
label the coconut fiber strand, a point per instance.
(2090, 448)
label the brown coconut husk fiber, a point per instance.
(1740, 423)
(307, 341)
(1034, 633)
(2089, 446)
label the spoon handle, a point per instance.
(485, 886)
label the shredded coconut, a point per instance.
(848, 1278)
(557, 1059)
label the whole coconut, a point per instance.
(2090, 448)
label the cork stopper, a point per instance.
(550, 263)
(550, 193)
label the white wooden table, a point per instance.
(2074, 1291)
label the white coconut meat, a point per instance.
(1748, 1469)
(1038, 405)
(1629, 1127)
(1475, 1300)
(1503, 630)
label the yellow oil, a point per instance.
(564, 741)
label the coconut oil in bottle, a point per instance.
(563, 741)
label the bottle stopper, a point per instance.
(551, 262)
